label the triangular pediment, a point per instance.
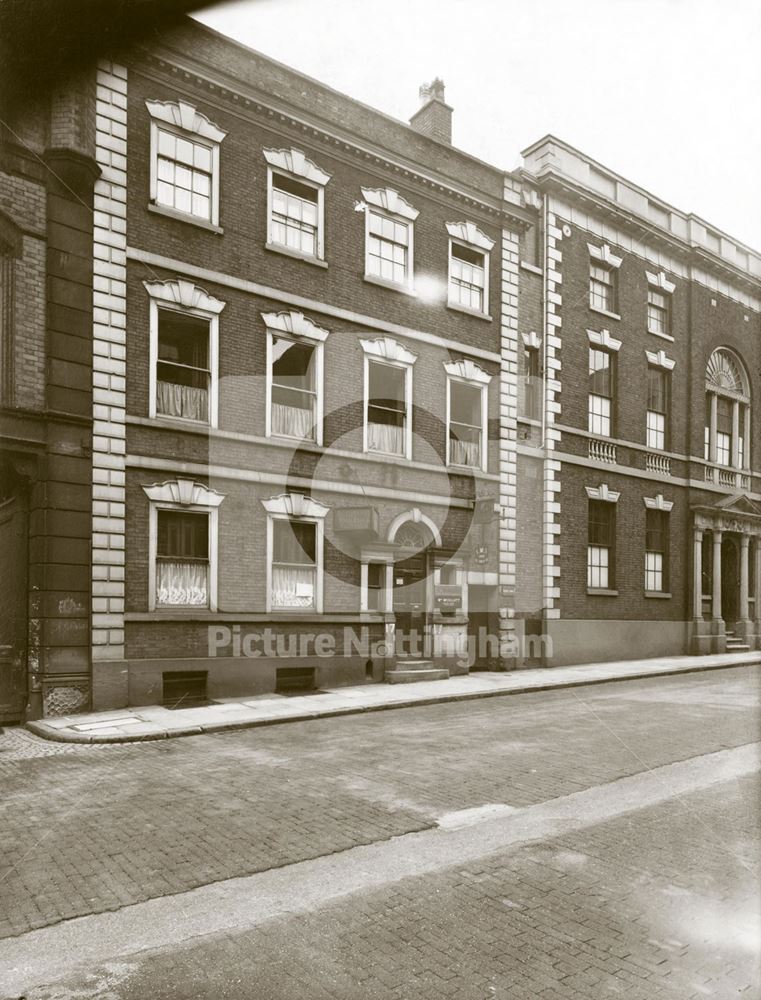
(740, 503)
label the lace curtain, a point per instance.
(464, 452)
(291, 420)
(293, 586)
(385, 438)
(182, 401)
(182, 583)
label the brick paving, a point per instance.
(96, 828)
(662, 903)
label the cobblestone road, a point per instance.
(86, 829)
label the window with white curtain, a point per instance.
(294, 564)
(182, 559)
(466, 423)
(293, 375)
(183, 372)
(387, 414)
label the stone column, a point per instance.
(697, 574)
(716, 596)
(744, 625)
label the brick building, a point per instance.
(319, 308)
(645, 456)
(47, 171)
(312, 397)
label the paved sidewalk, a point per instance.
(154, 722)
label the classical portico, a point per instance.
(726, 574)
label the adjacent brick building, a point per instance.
(321, 399)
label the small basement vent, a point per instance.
(294, 680)
(185, 688)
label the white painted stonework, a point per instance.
(109, 365)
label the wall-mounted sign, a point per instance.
(448, 597)
(356, 520)
(481, 554)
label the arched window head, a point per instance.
(727, 421)
(725, 373)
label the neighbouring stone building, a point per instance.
(646, 453)
(306, 396)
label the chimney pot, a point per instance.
(434, 117)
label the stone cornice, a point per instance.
(235, 98)
(558, 184)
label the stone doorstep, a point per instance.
(155, 722)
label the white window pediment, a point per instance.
(468, 232)
(602, 492)
(604, 339)
(184, 492)
(604, 254)
(659, 360)
(388, 349)
(660, 281)
(177, 292)
(295, 505)
(293, 161)
(295, 324)
(532, 340)
(658, 503)
(390, 201)
(467, 370)
(185, 116)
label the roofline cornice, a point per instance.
(556, 182)
(227, 94)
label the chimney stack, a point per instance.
(434, 118)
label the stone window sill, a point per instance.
(604, 312)
(287, 252)
(658, 594)
(594, 592)
(469, 312)
(392, 286)
(662, 336)
(531, 267)
(182, 217)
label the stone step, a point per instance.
(402, 676)
(403, 663)
(737, 646)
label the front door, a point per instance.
(730, 580)
(411, 606)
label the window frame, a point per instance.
(482, 387)
(612, 356)
(407, 369)
(665, 310)
(272, 173)
(611, 286)
(664, 516)
(408, 284)
(297, 327)
(213, 516)
(319, 539)
(484, 310)
(182, 297)
(610, 507)
(665, 374)
(183, 121)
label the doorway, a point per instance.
(411, 572)
(730, 580)
(14, 533)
